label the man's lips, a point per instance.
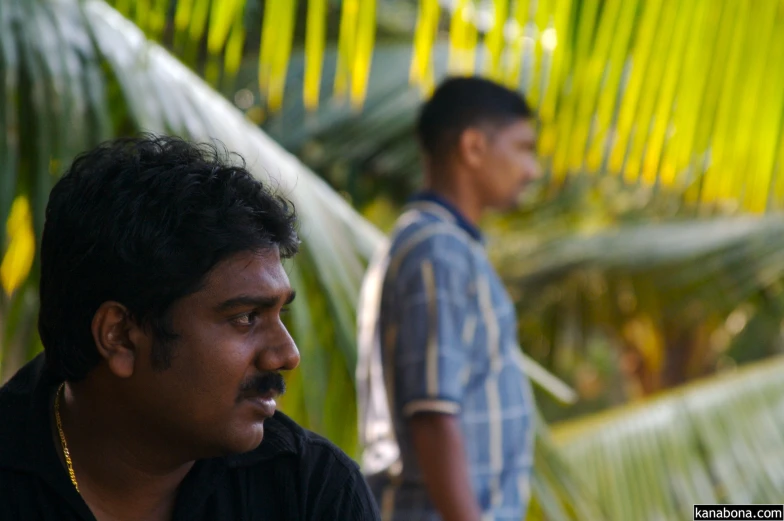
(264, 402)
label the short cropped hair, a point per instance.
(142, 221)
(460, 103)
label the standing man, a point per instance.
(162, 288)
(445, 409)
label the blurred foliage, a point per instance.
(709, 442)
(576, 317)
(664, 93)
(96, 76)
(615, 325)
(624, 291)
(630, 265)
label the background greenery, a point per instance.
(648, 257)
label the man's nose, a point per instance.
(535, 170)
(283, 355)
(290, 356)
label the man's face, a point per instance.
(508, 164)
(224, 373)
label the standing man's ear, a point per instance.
(472, 147)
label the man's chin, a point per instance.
(249, 441)
(520, 198)
(509, 204)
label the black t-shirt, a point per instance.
(293, 475)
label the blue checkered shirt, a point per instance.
(448, 344)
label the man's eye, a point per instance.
(246, 319)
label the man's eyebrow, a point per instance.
(256, 301)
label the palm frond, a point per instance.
(715, 441)
(75, 73)
(670, 251)
(660, 93)
(680, 296)
(71, 103)
(656, 93)
(136, 85)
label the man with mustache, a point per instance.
(162, 289)
(445, 409)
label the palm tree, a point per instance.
(95, 76)
(667, 93)
(627, 75)
(615, 288)
(705, 443)
(75, 72)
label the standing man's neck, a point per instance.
(461, 198)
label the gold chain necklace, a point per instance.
(62, 436)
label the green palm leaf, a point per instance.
(715, 441)
(95, 76)
(658, 93)
(688, 273)
(97, 68)
(74, 73)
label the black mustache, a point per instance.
(263, 384)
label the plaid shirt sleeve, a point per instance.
(431, 359)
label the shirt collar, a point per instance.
(460, 219)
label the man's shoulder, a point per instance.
(21, 494)
(421, 235)
(421, 226)
(425, 238)
(24, 381)
(17, 402)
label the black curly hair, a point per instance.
(142, 221)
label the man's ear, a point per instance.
(116, 337)
(472, 146)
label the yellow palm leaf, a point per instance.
(363, 52)
(285, 19)
(235, 43)
(495, 40)
(346, 43)
(222, 16)
(424, 37)
(314, 52)
(462, 39)
(18, 258)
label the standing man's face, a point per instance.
(224, 374)
(508, 165)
